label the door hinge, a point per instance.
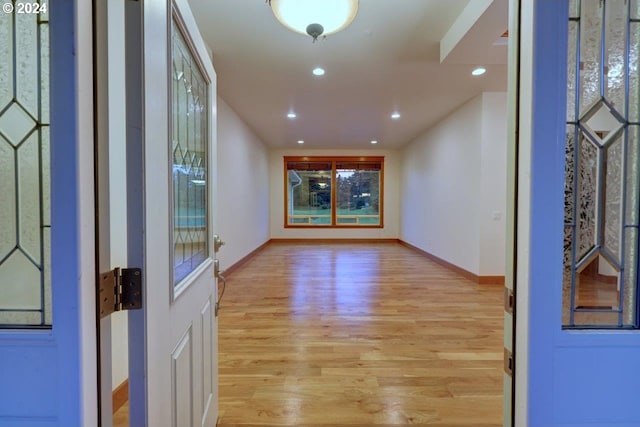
(120, 289)
(508, 362)
(509, 300)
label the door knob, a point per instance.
(217, 243)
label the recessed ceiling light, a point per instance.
(374, 142)
(479, 71)
(318, 71)
(301, 142)
(292, 115)
(395, 116)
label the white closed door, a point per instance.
(171, 186)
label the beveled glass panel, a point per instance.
(182, 131)
(569, 183)
(44, 73)
(587, 183)
(616, 13)
(19, 318)
(600, 319)
(7, 199)
(600, 272)
(43, 16)
(574, 8)
(634, 73)
(29, 197)
(27, 75)
(16, 124)
(597, 285)
(600, 123)
(180, 248)
(175, 94)
(25, 244)
(613, 164)
(190, 159)
(633, 176)
(46, 266)
(19, 283)
(571, 71)
(567, 268)
(6, 57)
(590, 49)
(45, 168)
(630, 287)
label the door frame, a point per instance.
(511, 261)
(73, 213)
(110, 189)
(526, 34)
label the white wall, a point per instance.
(391, 197)
(440, 188)
(493, 201)
(453, 185)
(119, 348)
(117, 183)
(243, 192)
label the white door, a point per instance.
(171, 188)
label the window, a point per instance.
(600, 283)
(190, 159)
(333, 191)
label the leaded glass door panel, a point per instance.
(25, 220)
(602, 170)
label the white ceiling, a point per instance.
(387, 59)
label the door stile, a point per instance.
(101, 165)
(134, 81)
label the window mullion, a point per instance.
(334, 194)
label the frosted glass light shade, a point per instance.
(333, 15)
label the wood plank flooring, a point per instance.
(363, 334)
(358, 335)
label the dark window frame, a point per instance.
(334, 161)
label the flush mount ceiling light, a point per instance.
(318, 71)
(478, 71)
(395, 116)
(315, 17)
(291, 115)
(374, 142)
(301, 142)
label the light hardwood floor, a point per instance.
(363, 334)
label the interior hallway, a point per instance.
(358, 334)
